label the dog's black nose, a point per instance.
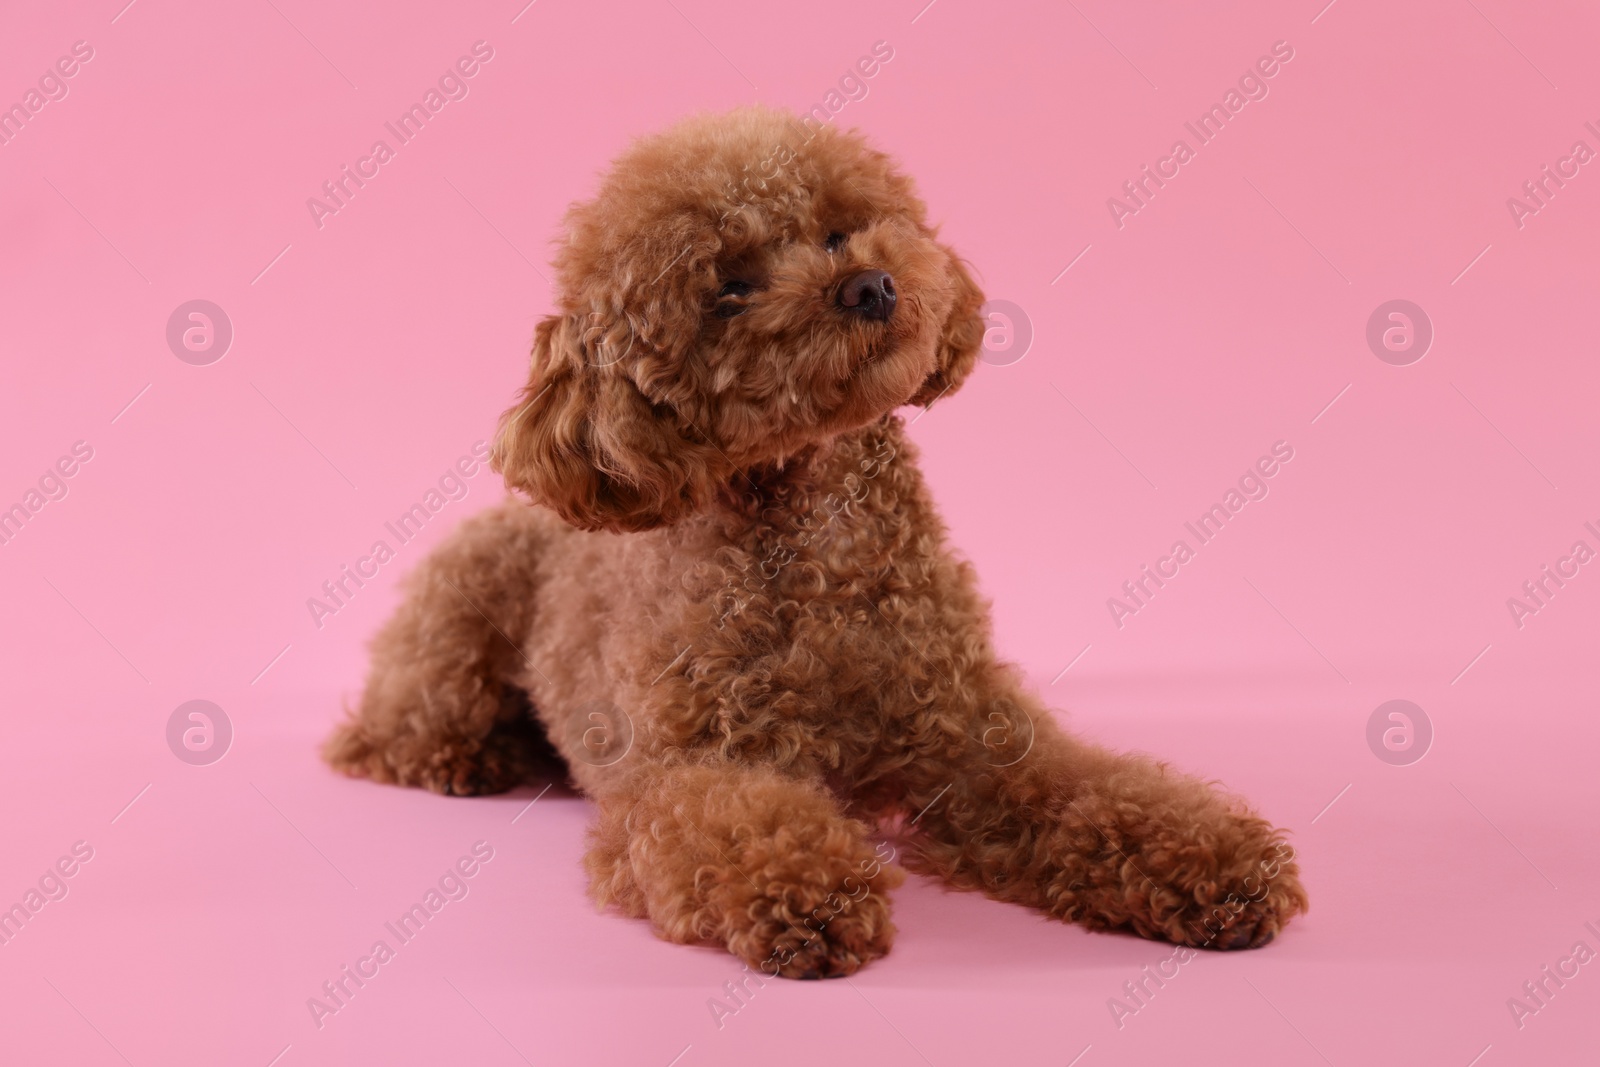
(869, 294)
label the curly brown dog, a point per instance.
(731, 603)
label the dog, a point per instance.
(722, 593)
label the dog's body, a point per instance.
(737, 618)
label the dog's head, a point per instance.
(742, 288)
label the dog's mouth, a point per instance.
(887, 367)
(883, 346)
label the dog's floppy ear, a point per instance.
(959, 340)
(585, 441)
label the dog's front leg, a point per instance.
(1030, 814)
(765, 864)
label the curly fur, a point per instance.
(730, 603)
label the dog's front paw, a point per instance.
(1238, 893)
(800, 931)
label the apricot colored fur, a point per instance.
(729, 601)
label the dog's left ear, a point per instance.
(959, 340)
(584, 440)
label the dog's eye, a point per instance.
(834, 242)
(726, 308)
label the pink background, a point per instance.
(1223, 317)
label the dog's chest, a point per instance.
(821, 566)
(820, 629)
